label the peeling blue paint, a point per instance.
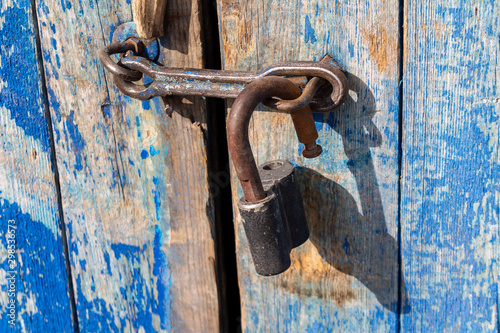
(161, 270)
(145, 301)
(300, 148)
(43, 8)
(97, 317)
(345, 246)
(350, 47)
(54, 103)
(157, 199)
(76, 139)
(152, 151)
(108, 263)
(317, 327)
(53, 42)
(309, 33)
(21, 93)
(40, 253)
(448, 205)
(107, 111)
(138, 124)
(128, 251)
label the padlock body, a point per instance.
(277, 223)
(279, 176)
(268, 237)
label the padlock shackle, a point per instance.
(238, 122)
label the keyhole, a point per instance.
(273, 165)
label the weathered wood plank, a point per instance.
(133, 180)
(346, 277)
(28, 195)
(149, 17)
(451, 166)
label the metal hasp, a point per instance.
(324, 83)
(271, 209)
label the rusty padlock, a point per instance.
(271, 209)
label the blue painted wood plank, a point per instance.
(133, 180)
(345, 278)
(451, 166)
(34, 291)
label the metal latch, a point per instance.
(324, 83)
(271, 209)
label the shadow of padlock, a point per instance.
(271, 209)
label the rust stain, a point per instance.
(338, 5)
(228, 54)
(229, 7)
(237, 34)
(441, 29)
(310, 275)
(239, 43)
(244, 34)
(382, 48)
(229, 13)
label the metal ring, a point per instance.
(117, 69)
(128, 88)
(321, 69)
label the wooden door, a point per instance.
(346, 275)
(109, 205)
(110, 195)
(35, 290)
(403, 203)
(450, 166)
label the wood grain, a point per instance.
(149, 17)
(28, 195)
(451, 166)
(133, 180)
(345, 277)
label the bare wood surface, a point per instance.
(149, 16)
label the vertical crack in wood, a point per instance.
(401, 44)
(227, 272)
(74, 316)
